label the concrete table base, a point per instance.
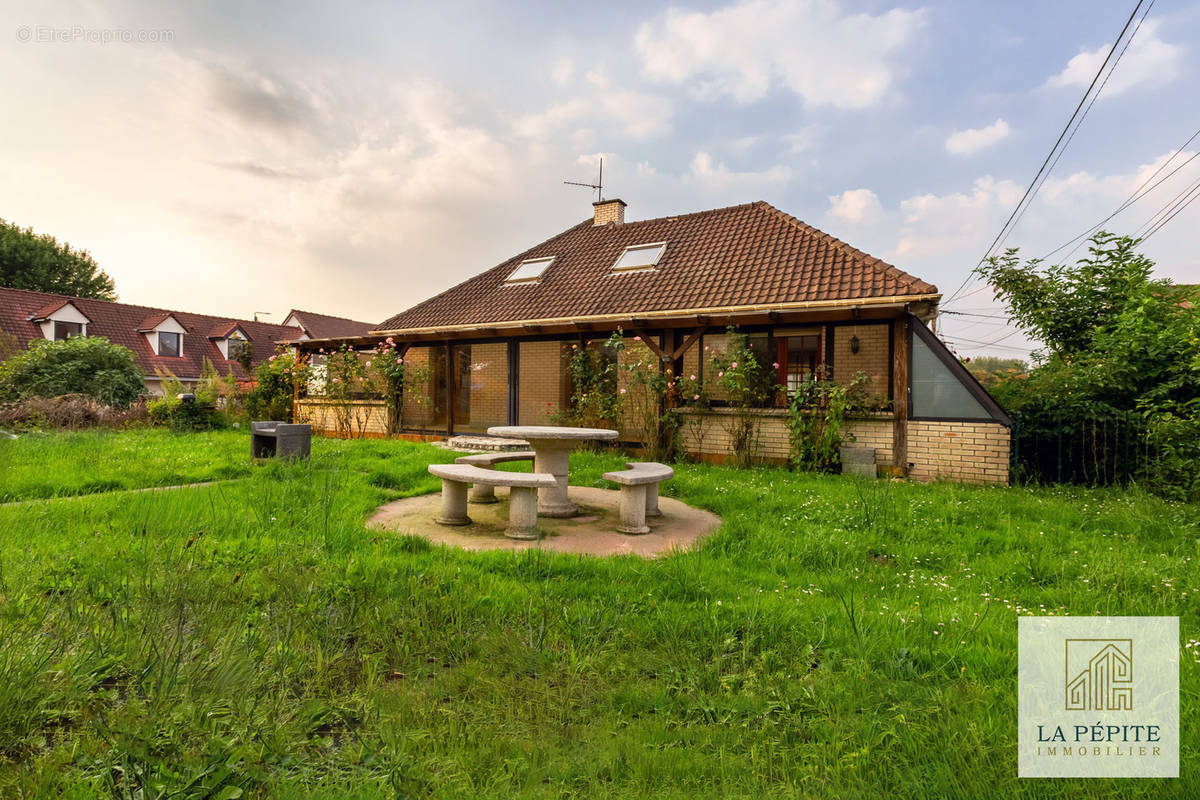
(555, 460)
(552, 445)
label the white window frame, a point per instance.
(662, 249)
(547, 260)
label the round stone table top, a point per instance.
(550, 432)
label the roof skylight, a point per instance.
(529, 270)
(642, 256)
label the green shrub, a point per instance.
(277, 381)
(186, 415)
(86, 365)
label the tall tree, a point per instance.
(38, 262)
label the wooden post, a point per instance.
(900, 395)
(450, 372)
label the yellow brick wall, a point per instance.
(708, 433)
(488, 374)
(355, 419)
(871, 358)
(970, 452)
(541, 382)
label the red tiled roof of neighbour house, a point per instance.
(120, 323)
(735, 257)
(154, 320)
(323, 326)
(48, 309)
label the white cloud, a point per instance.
(855, 205)
(1149, 61)
(972, 140)
(628, 114)
(811, 47)
(562, 70)
(704, 170)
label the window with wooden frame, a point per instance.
(799, 356)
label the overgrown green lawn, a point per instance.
(833, 639)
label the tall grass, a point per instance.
(833, 638)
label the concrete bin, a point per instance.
(280, 440)
(858, 461)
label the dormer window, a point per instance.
(529, 271)
(639, 257)
(170, 344)
(67, 330)
(60, 320)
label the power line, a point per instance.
(1038, 179)
(1169, 209)
(1195, 193)
(1137, 194)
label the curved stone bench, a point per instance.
(522, 499)
(485, 492)
(639, 493)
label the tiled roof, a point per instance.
(154, 320)
(118, 322)
(323, 326)
(731, 257)
(48, 309)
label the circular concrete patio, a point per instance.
(592, 532)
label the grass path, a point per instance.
(832, 639)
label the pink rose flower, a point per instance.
(733, 365)
(622, 391)
(775, 365)
(720, 374)
(368, 363)
(695, 397)
(337, 380)
(637, 338)
(693, 378)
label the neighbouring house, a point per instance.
(175, 342)
(495, 347)
(323, 326)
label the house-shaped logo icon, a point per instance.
(1099, 674)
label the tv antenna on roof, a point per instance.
(264, 313)
(598, 185)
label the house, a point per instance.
(176, 342)
(323, 326)
(495, 346)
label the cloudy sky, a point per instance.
(356, 158)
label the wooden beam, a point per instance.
(653, 345)
(900, 394)
(532, 328)
(688, 342)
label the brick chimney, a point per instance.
(609, 211)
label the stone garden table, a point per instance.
(552, 446)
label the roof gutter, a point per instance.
(877, 302)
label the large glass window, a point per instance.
(481, 396)
(936, 391)
(169, 344)
(65, 330)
